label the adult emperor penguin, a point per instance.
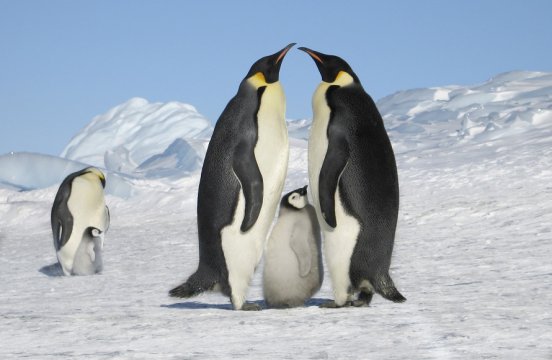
(241, 181)
(79, 220)
(354, 184)
(293, 269)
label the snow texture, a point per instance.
(135, 131)
(472, 252)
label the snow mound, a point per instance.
(505, 105)
(24, 171)
(133, 132)
(180, 158)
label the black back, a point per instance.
(369, 188)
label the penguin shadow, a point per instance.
(52, 270)
(316, 302)
(313, 302)
(196, 305)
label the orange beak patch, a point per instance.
(314, 56)
(282, 54)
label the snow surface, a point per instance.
(472, 252)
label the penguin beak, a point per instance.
(303, 191)
(283, 52)
(328, 65)
(317, 57)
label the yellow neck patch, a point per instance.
(343, 78)
(97, 172)
(257, 80)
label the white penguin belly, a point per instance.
(87, 206)
(339, 242)
(243, 250)
(283, 283)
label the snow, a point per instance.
(505, 105)
(472, 252)
(179, 155)
(28, 171)
(133, 132)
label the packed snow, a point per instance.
(472, 252)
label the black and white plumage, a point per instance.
(293, 269)
(79, 220)
(241, 181)
(354, 184)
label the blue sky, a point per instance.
(62, 62)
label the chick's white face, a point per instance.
(297, 200)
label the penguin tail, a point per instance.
(386, 288)
(195, 285)
(185, 290)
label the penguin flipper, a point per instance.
(300, 247)
(247, 170)
(62, 225)
(107, 219)
(337, 156)
(56, 231)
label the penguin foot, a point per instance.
(359, 303)
(364, 299)
(251, 307)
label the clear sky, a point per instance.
(62, 62)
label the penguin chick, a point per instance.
(88, 258)
(293, 269)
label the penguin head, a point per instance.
(331, 67)
(296, 199)
(93, 232)
(96, 172)
(266, 70)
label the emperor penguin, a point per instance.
(241, 181)
(79, 221)
(354, 183)
(293, 270)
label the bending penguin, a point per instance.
(354, 183)
(293, 269)
(241, 181)
(79, 220)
